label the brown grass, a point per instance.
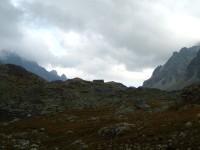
(152, 129)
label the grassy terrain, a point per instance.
(78, 129)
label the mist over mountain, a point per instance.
(12, 58)
(182, 69)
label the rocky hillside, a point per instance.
(77, 114)
(25, 93)
(11, 58)
(191, 94)
(178, 72)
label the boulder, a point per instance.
(188, 125)
(115, 129)
(198, 117)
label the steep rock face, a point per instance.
(10, 58)
(170, 76)
(193, 69)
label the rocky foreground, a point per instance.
(78, 114)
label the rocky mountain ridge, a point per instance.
(176, 73)
(32, 94)
(12, 58)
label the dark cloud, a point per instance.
(13, 37)
(9, 24)
(96, 37)
(9, 18)
(137, 26)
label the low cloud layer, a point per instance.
(111, 39)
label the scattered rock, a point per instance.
(198, 117)
(24, 142)
(3, 123)
(81, 144)
(71, 118)
(93, 118)
(34, 145)
(14, 120)
(115, 130)
(188, 125)
(42, 129)
(143, 106)
(124, 110)
(182, 134)
(77, 142)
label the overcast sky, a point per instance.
(120, 40)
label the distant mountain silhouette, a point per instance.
(182, 69)
(12, 58)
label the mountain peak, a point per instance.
(7, 57)
(171, 75)
(54, 72)
(63, 77)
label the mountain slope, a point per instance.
(193, 69)
(171, 75)
(24, 92)
(18, 91)
(11, 58)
